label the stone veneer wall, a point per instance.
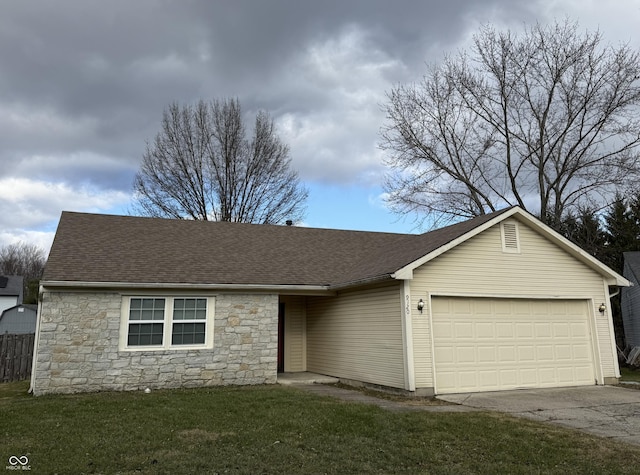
(78, 347)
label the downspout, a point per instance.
(36, 339)
(618, 289)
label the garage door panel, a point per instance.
(447, 379)
(579, 330)
(466, 354)
(561, 330)
(529, 376)
(443, 328)
(487, 354)
(494, 344)
(524, 330)
(583, 372)
(469, 377)
(488, 379)
(582, 352)
(463, 330)
(547, 375)
(445, 355)
(544, 330)
(461, 307)
(485, 330)
(507, 354)
(544, 352)
(504, 330)
(526, 354)
(564, 353)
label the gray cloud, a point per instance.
(84, 82)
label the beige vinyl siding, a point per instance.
(295, 354)
(479, 267)
(357, 335)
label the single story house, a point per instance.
(494, 303)
(18, 319)
(11, 289)
(630, 299)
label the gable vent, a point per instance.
(510, 237)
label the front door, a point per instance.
(281, 338)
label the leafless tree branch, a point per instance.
(546, 120)
(202, 165)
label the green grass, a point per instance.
(273, 429)
(629, 374)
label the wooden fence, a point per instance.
(16, 354)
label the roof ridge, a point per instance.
(231, 223)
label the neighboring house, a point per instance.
(10, 291)
(497, 302)
(19, 319)
(630, 298)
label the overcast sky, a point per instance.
(83, 85)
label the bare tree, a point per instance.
(26, 260)
(203, 166)
(548, 120)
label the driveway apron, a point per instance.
(605, 411)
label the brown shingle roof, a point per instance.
(105, 248)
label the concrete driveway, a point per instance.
(605, 411)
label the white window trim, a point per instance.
(167, 322)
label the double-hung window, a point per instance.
(167, 322)
(146, 321)
(189, 321)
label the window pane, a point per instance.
(146, 309)
(190, 309)
(188, 334)
(145, 334)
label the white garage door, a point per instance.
(495, 344)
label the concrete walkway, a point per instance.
(606, 411)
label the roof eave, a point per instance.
(162, 286)
(360, 282)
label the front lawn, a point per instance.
(629, 374)
(274, 429)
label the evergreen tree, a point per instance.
(585, 229)
(622, 231)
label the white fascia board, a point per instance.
(406, 272)
(280, 289)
